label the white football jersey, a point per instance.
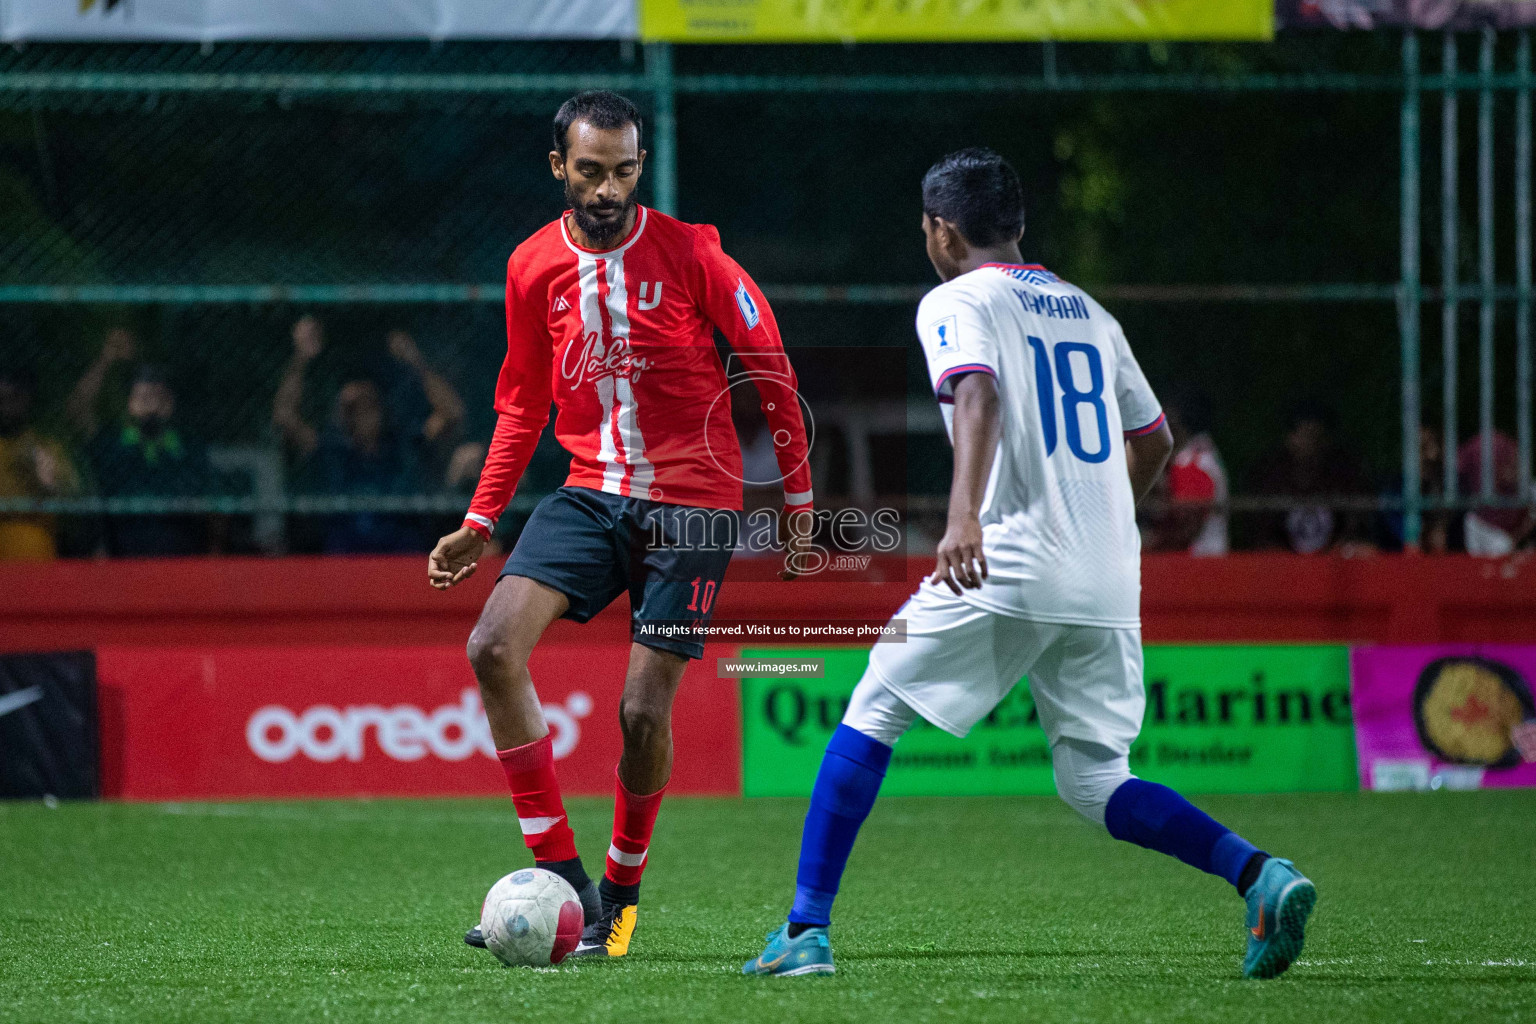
(1058, 519)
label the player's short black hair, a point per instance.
(977, 191)
(599, 108)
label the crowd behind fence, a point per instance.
(382, 455)
(249, 296)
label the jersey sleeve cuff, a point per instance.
(957, 371)
(480, 524)
(1149, 428)
(798, 501)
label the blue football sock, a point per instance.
(846, 786)
(1157, 818)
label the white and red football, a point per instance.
(531, 918)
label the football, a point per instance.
(531, 918)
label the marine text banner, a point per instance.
(1272, 719)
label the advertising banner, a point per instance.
(767, 21)
(48, 725)
(215, 20)
(1445, 716)
(1219, 720)
(1368, 14)
(194, 723)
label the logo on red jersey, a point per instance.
(559, 305)
(650, 295)
(747, 305)
(590, 361)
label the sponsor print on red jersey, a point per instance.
(622, 342)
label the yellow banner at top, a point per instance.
(892, 21)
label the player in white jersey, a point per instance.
(1056, 435)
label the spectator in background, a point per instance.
(1194, 488)
(147, 456)
(32, 465)
(1311, 464)
(1441, 529)
(120, 347)
(1495, 532)
(363, 452)
(463, 474)
(438, 434)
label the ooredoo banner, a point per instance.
(1445, 716)
(1263, 719)
(184, 723)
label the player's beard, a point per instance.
(600, 232)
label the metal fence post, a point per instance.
(658, 73)
(1450, 216)
(1485, 257)
(1523, 260)
(1409, 290)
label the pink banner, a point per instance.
(1460, 15)
(1445, 716)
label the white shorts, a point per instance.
(959, 662)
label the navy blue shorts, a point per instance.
(671, 559)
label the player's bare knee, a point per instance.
(643, 722)
(492, 656)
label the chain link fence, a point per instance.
(168, 214)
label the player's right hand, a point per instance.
(455, 558)
(960, 557)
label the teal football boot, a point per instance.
(1278, 906)
(810, 952)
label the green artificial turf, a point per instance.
(978, 910)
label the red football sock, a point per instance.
(633, 819)
(536, 795)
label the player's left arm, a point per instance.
(1145, 456)
(978, 427)
(959, 340)
(735, 305)
(1148, 441)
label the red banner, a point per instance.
(201, 723)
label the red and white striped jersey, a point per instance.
(622, 342)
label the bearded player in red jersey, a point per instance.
(611, 314)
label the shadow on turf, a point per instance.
(912, 954)
(994, 954)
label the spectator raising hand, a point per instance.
(119, 346)
(390, 432)
(442, 424)
(297, 434)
